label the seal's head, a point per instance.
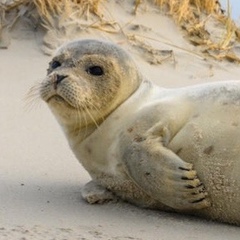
(87, 80)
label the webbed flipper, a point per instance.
(162, 174)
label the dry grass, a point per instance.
(151, 55)
(198, 19)
(59, 18)
(50, 9)
(52, 12)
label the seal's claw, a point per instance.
(201, 203)
(189, 174)
(190, 192)
(188, 167)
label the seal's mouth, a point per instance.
(59, 99)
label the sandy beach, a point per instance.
(41, 179)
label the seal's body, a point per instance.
(200, 125)
(170, 149)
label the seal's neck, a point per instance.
(122, 113)
(78, 135)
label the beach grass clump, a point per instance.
(206, 25)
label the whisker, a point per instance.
(94, 121)
(32, 98)
(98, 110)
(78, 124)
(28, 107)
(86, 125)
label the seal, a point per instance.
(169, 149)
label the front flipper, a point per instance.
(161, 173)
(94, 193)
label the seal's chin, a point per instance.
(57, 99)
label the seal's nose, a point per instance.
(59, 78)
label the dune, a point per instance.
(174, 44)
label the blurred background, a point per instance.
(235, 8)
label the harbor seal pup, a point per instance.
(168, 149)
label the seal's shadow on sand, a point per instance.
(58, 204)
(62, 201)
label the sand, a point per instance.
(40, 179)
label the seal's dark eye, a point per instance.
(95, 70)
(55, 64)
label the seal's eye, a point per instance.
(95, 70)
(55, 64)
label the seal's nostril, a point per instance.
(60, 78)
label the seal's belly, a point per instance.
(211, 141)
